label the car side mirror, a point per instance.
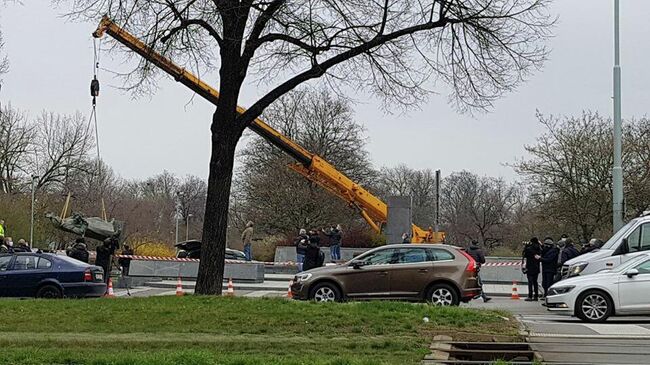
(632, 272)
(357, 264)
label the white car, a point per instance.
(624, 290)
(629, 242)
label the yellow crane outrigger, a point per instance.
(309, 165)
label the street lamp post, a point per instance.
(187, 227)
(177, 216)
(617, 170)
(31, 225)
(178, 211)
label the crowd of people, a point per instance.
(308, 253)
(7, 243)
(77, 250)
(307, 244)
(547, 258)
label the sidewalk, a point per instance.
(280, 283)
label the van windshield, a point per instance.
(617, 236)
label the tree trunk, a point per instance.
(215, 224)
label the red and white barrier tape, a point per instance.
(508, 263)
(178, 259)
(285, 263)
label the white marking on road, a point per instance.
(619, 329)
(533, 335)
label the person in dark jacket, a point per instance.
(532, 250)
(477, 254)
(335, 236)
(568, 252)
(312, 252)
(301, 243)
(549, 258)
(23, 246)
(124, 262)
(104, 256)
(79, 251)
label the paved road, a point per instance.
(564, 340)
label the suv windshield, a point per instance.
(617, 236)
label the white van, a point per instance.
(627, 243)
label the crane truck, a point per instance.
(316, 169)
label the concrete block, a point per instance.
(442, 338)
(440, 346)
(400, 218)
(253, 272)
(288, 253)
(437, 355)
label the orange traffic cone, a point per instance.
(289, 293)
(515, 293)
(109, 292)
(231, 288)
(179, 288)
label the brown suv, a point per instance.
(440, 274)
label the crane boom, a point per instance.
(309, 165)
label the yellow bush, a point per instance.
(150, 248)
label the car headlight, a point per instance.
(576, 269)
(302, 277)
(560, 290)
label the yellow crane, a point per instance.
(309, 165)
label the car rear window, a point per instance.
(43, 263)
(439, 254)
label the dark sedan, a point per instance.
(192, 250)
(47, 275)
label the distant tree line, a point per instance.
(565, 184)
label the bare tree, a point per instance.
(637, 167)
(16, 138)
(480, 48)
(420, 185)
(4, 61)
(474, 207)
(321, 122)
(569, 171)
(193, 191)
(62, 147)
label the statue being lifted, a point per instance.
(90, 227)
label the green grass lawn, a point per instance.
(221, 330)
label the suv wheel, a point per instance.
(325, 292)
(442, 295)
(49, 292)
(594, 306)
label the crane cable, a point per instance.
(94, 92)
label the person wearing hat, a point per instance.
(549, 259)
(531, 262)
(477, 254)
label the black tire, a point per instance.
(594, 306)
(442, 295)
(325, 292)
(49, 291)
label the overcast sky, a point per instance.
(51, 67)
